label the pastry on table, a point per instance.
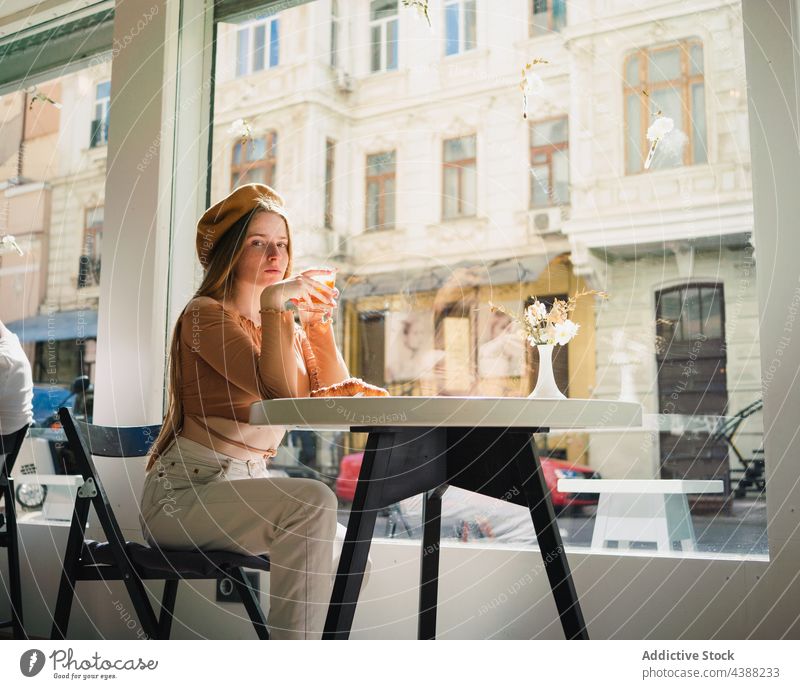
(350, 387)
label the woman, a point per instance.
(208, 484)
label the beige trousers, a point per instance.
(194, 497)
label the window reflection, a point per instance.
(430, 227)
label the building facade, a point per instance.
(405, 160)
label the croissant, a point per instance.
(350, 387)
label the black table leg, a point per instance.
(360, 528)
(429, 562)
(550, 545)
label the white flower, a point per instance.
(535, 313)
(660, 127)
(564, 332)
(655, 132)
(241, 128)
(533, 83)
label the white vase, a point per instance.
(546, 388)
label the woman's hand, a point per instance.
(317, 313)
(298, 289)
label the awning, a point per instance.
(59, 325)
(457, 276)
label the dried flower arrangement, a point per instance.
(531, 82)
(658, 129)
(37, 95)
(8, 240)
(241, 128)
(543, 326)
(422, 8)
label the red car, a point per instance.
(553, 469)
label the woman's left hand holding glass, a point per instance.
(316, 313)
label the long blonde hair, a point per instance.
(218, 284)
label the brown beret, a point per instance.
(223, 215)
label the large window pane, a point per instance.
(419, 258)
(274, 43)
(451, 28)
(391, 44)
(53, 150)
(259, 40)
(699, 124)
(242, 51)
(470, 25)
(673, 87)
(665, 65)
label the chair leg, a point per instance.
(251, 603)
(167, 608)
(66, 587)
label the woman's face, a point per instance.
(265, 257)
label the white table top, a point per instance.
(638, 486)
(340, 413)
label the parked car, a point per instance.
(348, 475)
(48, 399)
(553, 469)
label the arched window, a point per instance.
(668, 78)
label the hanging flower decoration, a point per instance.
(658, 129)
(421, 6)
(531, 83)
(552, 326)
(37, 95)
(241, 128)
(8, 240)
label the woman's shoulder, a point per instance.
(202, 311)
(203, 301)
(205, 305)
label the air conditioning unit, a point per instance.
(344, 82)
(544, 221)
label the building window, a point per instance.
(255, 160)
(371, 346)
(89, 267)
(667, 79)
(102, 101)
(549, 163)
(335, 33)
(459, 22)
(380, 190)
(252, 43)
(330, 146)
(383, 35)
(459, 185)
(547, 16)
